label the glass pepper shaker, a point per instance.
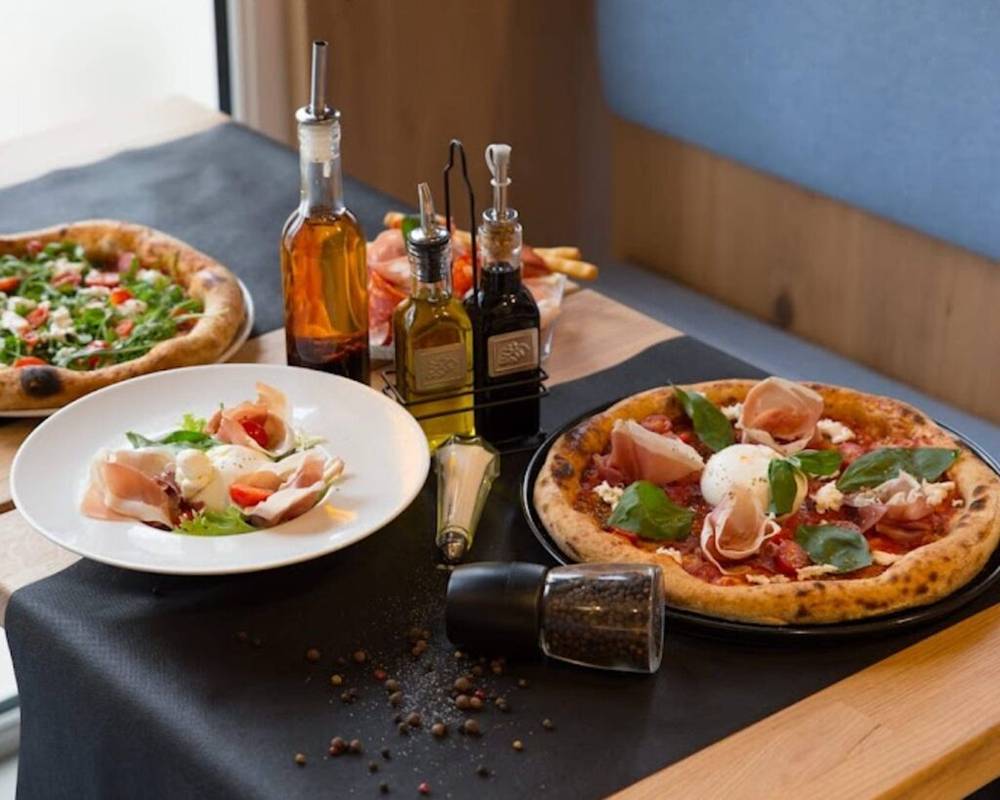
(608, 616)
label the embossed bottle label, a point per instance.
(513, 352)
(440, 368)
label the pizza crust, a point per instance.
(922, 576)
(201, 277)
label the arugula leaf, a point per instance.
(710, 424)
(216, 523)
(196, 439)
(844, 548)
(879, 466)
(781, 475)
(189, 422)
(410, 221)
(645, 509)
(817, 462)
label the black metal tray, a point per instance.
(701, 623)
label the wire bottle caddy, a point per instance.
(534, 388)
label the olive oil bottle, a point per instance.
(433, 335)
(323, 267)
(505, 318)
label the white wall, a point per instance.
(62, 60)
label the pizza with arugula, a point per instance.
(774, 502)
(89, 304)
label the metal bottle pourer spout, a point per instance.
(498, 160)
(428, 219)
(318, 110)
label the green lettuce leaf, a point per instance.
(216, 523)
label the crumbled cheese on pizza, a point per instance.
(608, 493)
(150, 276)
(814, 571)
(937, 492)
(884, 559)
(671, 552)
(20, 304)
(13, 322)
(132, 308)
(828, 498)
(60, 325)
(836, 432)
(761, 580)
(732, 411)
(93, 291)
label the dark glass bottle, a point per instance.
(505, 320)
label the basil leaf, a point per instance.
(410, 221)
(878, 466)
(817, 462)
(844, 548)
(216, 523)
(781, 475)
(195, 439)
(710, 424)
(645, 509)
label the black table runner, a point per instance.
(199, 687)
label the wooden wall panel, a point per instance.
(408, 76)
(916, 308)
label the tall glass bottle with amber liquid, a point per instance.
(323, 268)
(433, 335)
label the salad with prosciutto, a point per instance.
(242, 469)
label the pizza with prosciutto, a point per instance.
(774, 502)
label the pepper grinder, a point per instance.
(608, 616)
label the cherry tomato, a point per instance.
(790, 557)
(98, 344)
(67, 279)
(244, 495)
(29, 361)
(37, 316)
(657, 423)
(120, 295)
(34, 247)
(98, 278)
(124, 328)
(9, 284)
(255, 430)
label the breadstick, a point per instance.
(565, 251)
(581, 270)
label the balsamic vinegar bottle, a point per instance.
(505, 319)
(433, 335)
(323, 267)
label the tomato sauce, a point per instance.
(780, 554)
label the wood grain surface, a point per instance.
(915, 308)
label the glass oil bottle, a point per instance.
(505, 319)
(433, 335)
(324, 273)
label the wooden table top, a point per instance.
(924, 722)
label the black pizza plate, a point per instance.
(693, 622)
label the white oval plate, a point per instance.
(383, 447)
(238, 341)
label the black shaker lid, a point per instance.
(495, 607)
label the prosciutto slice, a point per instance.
(132, 484)
(270, 411)
(736, 528)
(781, 414)
(639, 454)
(387, 256)
(898, 503)
(299, 492)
